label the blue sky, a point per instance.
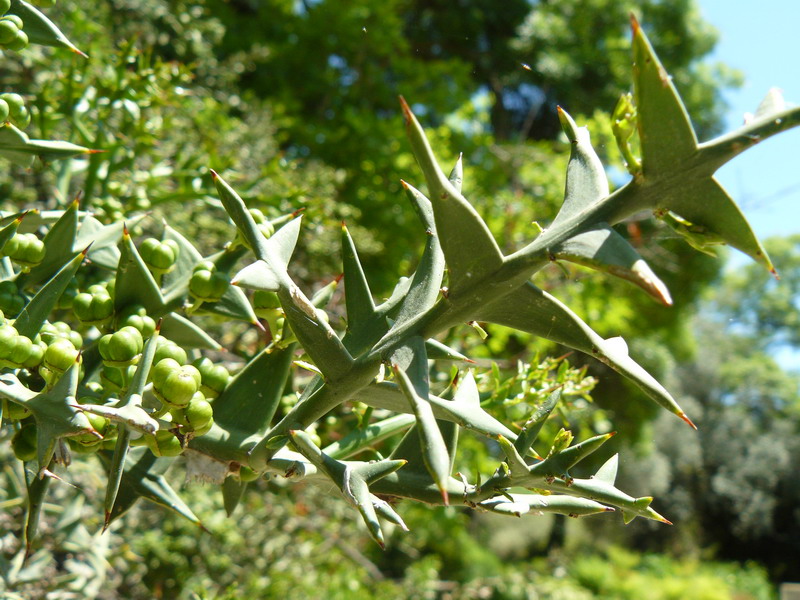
(762, 39)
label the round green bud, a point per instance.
(19, 43)
(136, 316)
(162, 369)
(25, 443)
(168, 349)
(16, 20)
(22, 350)
(159, 256)
(214, 377)
(164, 443)
(4, 111)
(93, 308)
(8, 31)
(197, 416)
(207, 284)
(121, 348)
(8, 340)
(5, 6)
(178, 386)
(60, 356)
(36, 356)
(25, 249)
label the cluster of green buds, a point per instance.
(18, 351)
(95, 306)
(160, 257)
(121, 348)
(25, 249)
(207, 284)
(12, 106)
(12, 37)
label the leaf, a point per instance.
(464, 409)
(434, 449)
(520, 504)
(56, 416)
(362, 318)
(251, 399)
(438, 351)
(427, 279)
(713, 215)
(104, 239)
(188, 256)
(59, 243)
(530, 309)
(9, 230)
(608, 472)
(13, 146)
(586, 177)
(269, 273)
(17, 147)
(40, 29)
(604, 249)
(135, 283)
(185, 333)
(665, 130)
(363, 438)
(232, 490)
(37, 491)
(143, 477)
(530, 431)
(559, 463)
(470, 250)
(32, 317)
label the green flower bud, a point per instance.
(175, 386)
(20, 42)
(206, 283)
(164, 443)
(169, 349)
(8, 31)
(16, 20)
(36, 356)
(24, 442)
(136, 316)
(4, 110)
(8, 340)
(197, 416)
(214, 377)
(24, 249)
(122, 348)
(60, 356)
(93, 308)
(5, 6)
(159, 256)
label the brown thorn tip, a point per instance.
(339, 277)
(774, 273)
(213, 173)
(258, 324)
(85, 251)
(159, 323)
(634, 24)
(203, 527)
(445, 497)
(404, 184)
(688, 420)
(125, 229)
(559, 109)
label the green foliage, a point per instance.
(120, 388)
